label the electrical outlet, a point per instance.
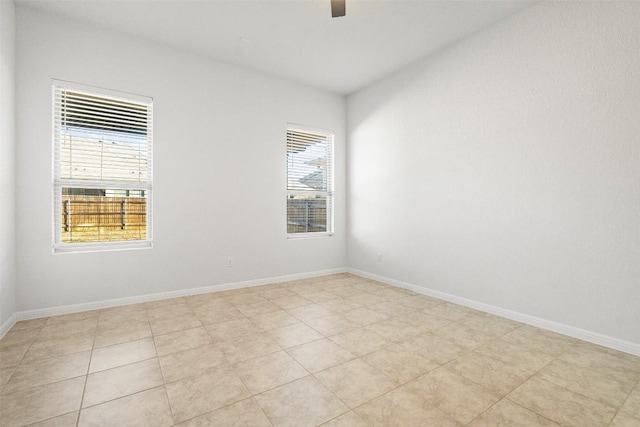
(229, 262)
(379, 259)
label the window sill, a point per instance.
(68, 248)
(297, 236)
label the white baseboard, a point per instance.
(75, 308)
(582, 334)
(8, 324)
(571, 331)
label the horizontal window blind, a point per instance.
(101, 138)
(309, 181)
(102, 165)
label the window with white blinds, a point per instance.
(102, 154)
(309, 182)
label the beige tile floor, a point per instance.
(335, 351)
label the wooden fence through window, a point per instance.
(306, 215)
(99, 218)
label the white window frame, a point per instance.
(58, 182)
(330, 135)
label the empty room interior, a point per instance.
(319, 213)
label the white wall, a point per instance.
(219, 168)
(7, 165)
(506, 168)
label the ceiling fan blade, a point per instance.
(337, 8)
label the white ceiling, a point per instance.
(296, 39)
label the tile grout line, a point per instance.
(624, 401)
(329, 338)
(86, 378)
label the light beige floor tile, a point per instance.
(368, 288)
(395, 329)
(274, 293)
(174, 324)
(451, 311)
(258, 308)
(169, 311)
(67, 329)
(276, 319)
(290, 302)
(489, 372)
(197, 395)
(302, 403)
(164, 303)
(360, 341)
(243, 413)
(19, 336)
(356, 382)
(124, 333)
(526, 358)
(181, 340)
(238, 291)
(364, 316)
(293, 335)
(206, 299)
(182, 364)
(625, 420)
(122, 354)
(331, 325)
(122, 310)
(122, 381)
(617, 365)
(632, 360)
(145, 409)
(308, 312)
(401, 408)
(203, 303)
(320, 355)
(64, 318)
(114, 320)
(350, 419)
(219, 315)
(5, 374)
(532, 338)
(41, 403)
(461, 334)
(66, 420)
(28, 324)
(426, 321)
(321, 296)
(59, 347)
(45, 371)
(561, 405)
(420, 302)
(244, 298)
(435, 348)
(492, 326)
(232, 329)
(248, 347)
(588, 382)
(453, 394)
(632, 404)
(399, 363)
(267, 372)
(508, 414)
(13, 354)
(340, 305)
(392, 308)
(492, 352)
(367, 299)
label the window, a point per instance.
(309, 182)
(102, 168)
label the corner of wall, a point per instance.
(7, 167)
